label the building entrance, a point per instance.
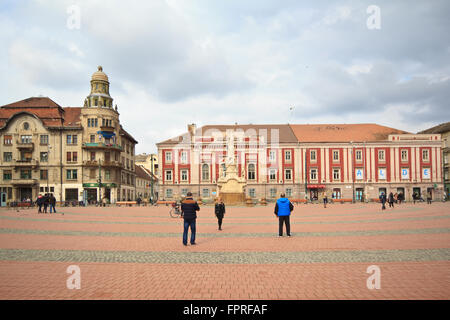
(359, 194)
(25, 193)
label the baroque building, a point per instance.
(346, 161)
(76, 153)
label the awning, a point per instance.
(316, 186)
(106, 134)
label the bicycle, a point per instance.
(175, 211)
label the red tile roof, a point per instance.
(364, 132)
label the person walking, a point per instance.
(415, 197)
(396, 197)
(429, 197)
(46, 202)
(52, 202)
(189, 208)
(383, 201)
(325, 199)
(283, 209)
(401, 197)
(40, 202)
(219, 210)
(391, 200)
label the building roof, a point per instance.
(49, 112)
(364, 132)
(127, 135)
(440, 128)
(283, 131)
(143, 173)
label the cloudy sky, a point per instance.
(174, 62)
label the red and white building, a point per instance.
(344, 160)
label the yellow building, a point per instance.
(75, 153)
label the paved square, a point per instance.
(137, 253)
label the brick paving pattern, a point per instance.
(137, 253)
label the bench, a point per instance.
(297, 201)
(343, 200)
(125, 203)
(164, 202)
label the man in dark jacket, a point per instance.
(40, 202)
(383, 201)
(189, 208)
(219, 210)
(391, 200)
(283, 210)
(46, 202)
(52, 201)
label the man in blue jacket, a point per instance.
(189, 208)
(283, 210)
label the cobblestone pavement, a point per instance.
(137, 253)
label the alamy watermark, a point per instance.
(374, 20)
(374, 281)
(74, 17)
(74, 280)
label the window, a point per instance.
(205, 172)
(336, 174)
(69, 156)
(92, 173)
(205, 193)
(335, 155)
(74, 156)
(92, 138)
(224, 169)
(44, 156)
(287, 156)
(272, 156)
(288, 192)
(184, 191)
(7, 140)
(107, 156)
(273, 174)
(92, 156)
(313, 155)
(107, 174)
(381, 155)
(358, 155)
(44, 174)
(71, 174)
(184, 175)
(169, 193)
(169, 175)
(72, 139)
(183, 157)
(7, 175)
(25, 174)
(251, 171)
(313, 174)
(44, 139)
(26, 139)
(404, 155)
(168, 156)
(252, 192)
(7, 156)
(26, 126)
(336, 193)
(288, 174)
(273, 192)
(425, 155)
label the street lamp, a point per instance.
(48, 168)
(353, 171)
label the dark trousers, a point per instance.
(391, 204)
(285, 220)
(52, 206)
(45, 207)
(219, 221)
(40, 207)
(189, 223)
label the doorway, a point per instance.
(25, 193)
(359, 194)
(314, 194)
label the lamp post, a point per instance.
(306, 177)
(48, 168)
(352, 152)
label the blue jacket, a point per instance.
(283, 207)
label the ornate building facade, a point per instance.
(75, 153)
(354, 161)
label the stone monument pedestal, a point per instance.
(232, 198)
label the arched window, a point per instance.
(251, 174)
(205, 172)
(26, 126)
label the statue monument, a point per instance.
(231, 186)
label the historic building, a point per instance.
(149, 161)
(75, 153)
(444, 130)
(146, 183)
(351, 161)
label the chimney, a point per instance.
(191, 129)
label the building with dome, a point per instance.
(76, 153)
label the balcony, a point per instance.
(101, 145)
(25, 181)
(112, 164)
(25, 145)
(90, 163)
(107, 128)
(26, 163)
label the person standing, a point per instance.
(391, 200)
(383, 201)
(415, 197)
(283, 209)
(219, 210)
(325, 199)
(429, 197)
(189, 208)
(46, 202)
(52, 202)
(39, 202)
